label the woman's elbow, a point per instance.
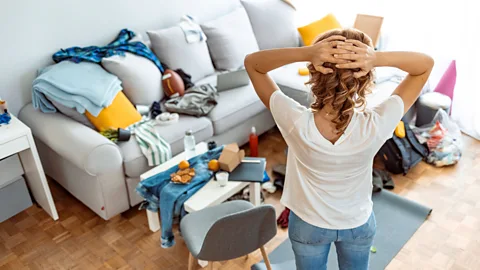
(248, 61)
(252, 63)
(429, 62)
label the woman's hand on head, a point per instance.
(360, 54)
(323, 51)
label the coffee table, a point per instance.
(209, 195)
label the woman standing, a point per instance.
(328, 182)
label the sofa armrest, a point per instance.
(79, 144)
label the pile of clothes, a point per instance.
(78, 82)
(84, 86)
(443, 139)
(186, 97)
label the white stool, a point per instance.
(428, 105)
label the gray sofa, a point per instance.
(103, 175)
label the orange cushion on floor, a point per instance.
(120, 114)
(311, 31)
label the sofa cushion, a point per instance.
(230, 38)
(311, 31)
(273, 23)
(120, 114)
(141, 78)
(234, 106)
(171, 48)
(135, 162)
(293, 84)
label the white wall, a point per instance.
(32, 30)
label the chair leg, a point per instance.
(265, 258)
(210, 265)
(191, 261)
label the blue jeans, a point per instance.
(311, 244)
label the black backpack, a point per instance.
(401, 154)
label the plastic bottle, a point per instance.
(189, 144)
(253, 140)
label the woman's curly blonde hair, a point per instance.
(340, 89)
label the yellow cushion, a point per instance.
(311, 31)
(120, 114)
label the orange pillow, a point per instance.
(311, 31)
(120, 114)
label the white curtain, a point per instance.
(446, 30)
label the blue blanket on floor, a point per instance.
(162, 195)
(83, 86)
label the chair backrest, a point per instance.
(239, 234)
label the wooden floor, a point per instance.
(449, 239)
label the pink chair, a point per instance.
(446, 85)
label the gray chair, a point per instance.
(227, 231)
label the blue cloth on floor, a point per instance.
(161, 194)
(266, 178)
(82, 86)
(119, 46)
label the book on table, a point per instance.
(249, 170)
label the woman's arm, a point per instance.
(258, 64)
(417, 65)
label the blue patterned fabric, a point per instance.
(161, 194)
(117, 47)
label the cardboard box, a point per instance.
(231, 157)
(370, 25)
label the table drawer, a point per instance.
(10, 169)
(13, 146)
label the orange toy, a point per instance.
(303, 71)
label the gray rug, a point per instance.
(397, 220)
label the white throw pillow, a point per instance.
(230, 38)
(273, 22)
(141, 78)
(171, 47)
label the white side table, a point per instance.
(16, 138)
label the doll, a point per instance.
(3, 106)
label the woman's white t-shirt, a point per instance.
(330, 185)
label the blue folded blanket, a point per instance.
(82, 86)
